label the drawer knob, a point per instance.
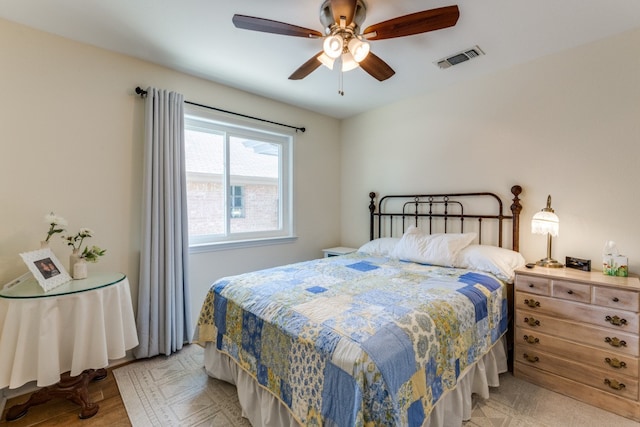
(615, 363)
(616, 321)
(531, 285)
(615, 342)
(570, 292)
(531, 339)
(615, 299)
(532, 359)
(532, 303)
(531, 321)
(614, 384)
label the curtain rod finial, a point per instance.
(141, 92)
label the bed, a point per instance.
(401, 332)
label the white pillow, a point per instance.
(383, 246)
(500, 262)
(436, 249)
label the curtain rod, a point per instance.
(143, 93)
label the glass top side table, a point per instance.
(27, 286)
(104, 295)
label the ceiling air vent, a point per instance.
(459, 57)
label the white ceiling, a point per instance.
(197, 37)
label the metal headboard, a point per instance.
(448, 213)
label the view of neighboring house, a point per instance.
(253, 180)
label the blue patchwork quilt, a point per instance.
(356, 340)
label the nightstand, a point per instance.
(577, 333)
(337, 251)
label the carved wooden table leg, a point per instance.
(74, 389)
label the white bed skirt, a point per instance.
(263, 409)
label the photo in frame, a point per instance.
(46, 268)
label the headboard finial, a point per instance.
(516, 190)
(372, 210)
(372, 202)
(516, 207)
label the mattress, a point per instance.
(357, 339)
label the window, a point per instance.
(238, 181)
(237, 202)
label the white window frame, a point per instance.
(203, 119)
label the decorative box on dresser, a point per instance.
(577, 333)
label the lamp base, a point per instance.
(549, 263)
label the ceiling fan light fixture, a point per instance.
(326, 61)
(359, 49)
(348, 62)
(333, 46)
(342, 21)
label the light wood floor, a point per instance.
(60, 412)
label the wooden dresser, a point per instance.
(577, 333)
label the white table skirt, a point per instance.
(41, 338)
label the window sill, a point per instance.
(239, 244)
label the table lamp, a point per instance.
(546, 222)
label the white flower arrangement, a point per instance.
(88, 253)
(76, 241)
(56, 223)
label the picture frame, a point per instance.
(46, 268)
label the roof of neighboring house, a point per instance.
(204, 154)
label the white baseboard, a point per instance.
(7, 393)
(3, 402)
(127, 358)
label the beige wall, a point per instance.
(566, 125)
(72, 143)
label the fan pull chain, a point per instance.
(341, 83)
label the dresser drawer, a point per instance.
(617, 342)
(607, 360)
(533, 284)
(571, 291)
(578, 312)
(617, 298)
(619, 385)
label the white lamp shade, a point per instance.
(333, 46)
(326, 61)
(358, 49)
(545, 222)
(348, 63)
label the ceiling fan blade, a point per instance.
(274, 27)
(346, 8)
(375, 66)
(306, 68)
(415, 23)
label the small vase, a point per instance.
(80, 270)
(73, 259)
(44, 244)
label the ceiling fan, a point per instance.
(344, 42)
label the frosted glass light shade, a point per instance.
(358, 49)
(348, 63)
(326, 61)
(545, 222)
(333, 46)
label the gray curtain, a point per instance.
(164, 308)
